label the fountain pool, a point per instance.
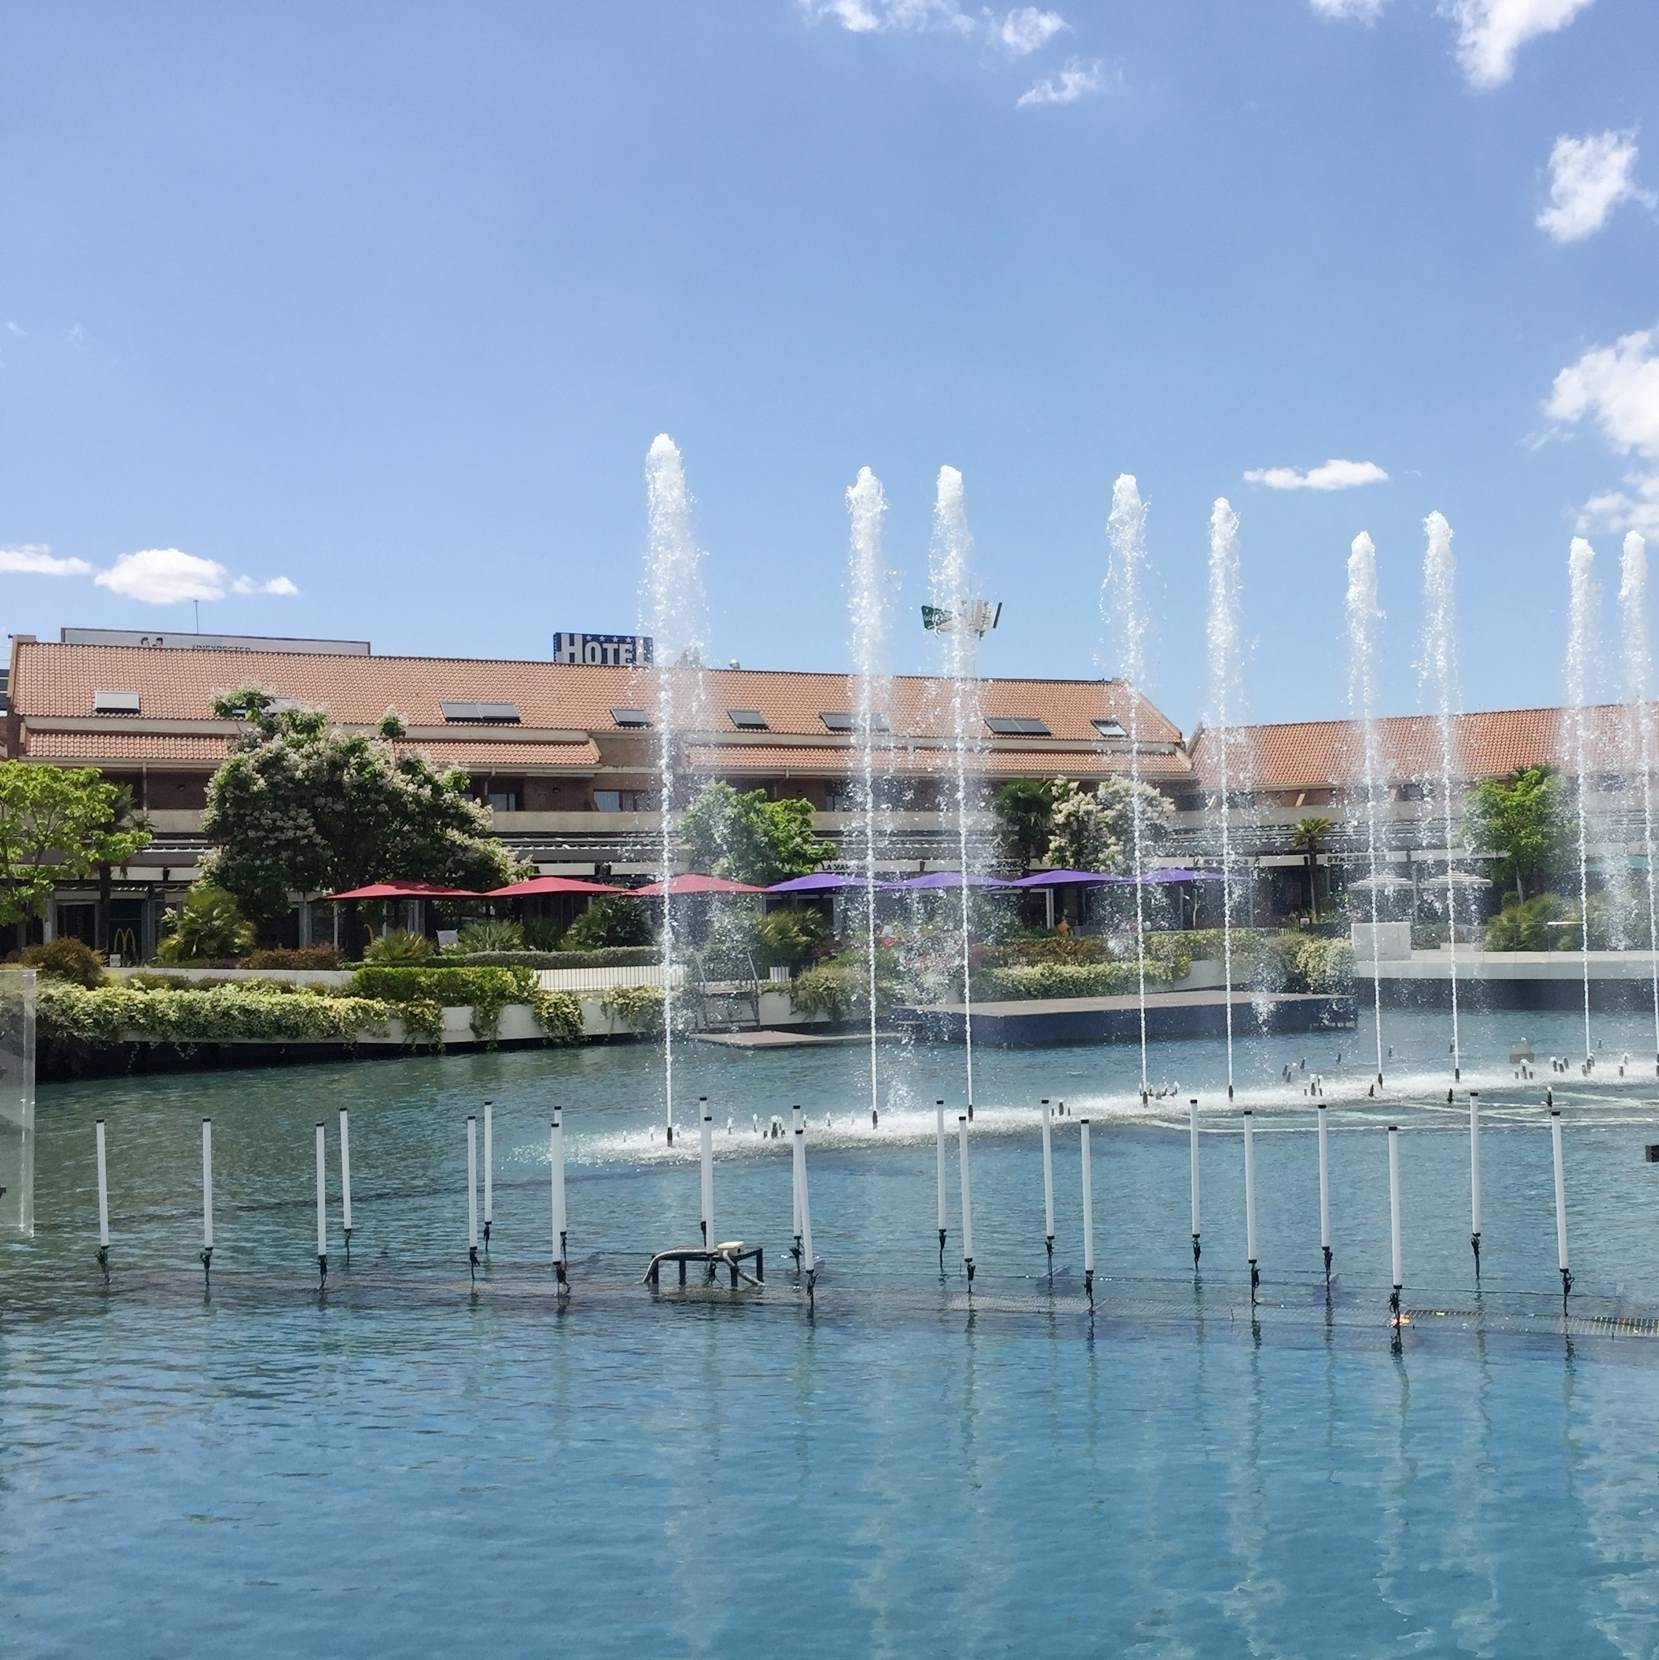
(405, 1468)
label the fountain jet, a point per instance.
(1638, 677)
(1123, 599)
(1581, 606)
(675, 609)
(1363, 617)
(1438, 672)
(952, 592)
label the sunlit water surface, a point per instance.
(405, 1467)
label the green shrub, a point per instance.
(399, 946)
(487, 991)
(542, 933)
(1527, 925)
(1056, 980)
(612, 919)
(214, 1013)
(65, 958)
(205, 926)
(477, 937)
(305, 956)
(641, 1007)
(835, 990)
(787, 936)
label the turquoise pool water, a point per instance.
(412, 1467)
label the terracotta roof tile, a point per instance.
(174, 746)
(54, 679)
(1485, 744)
(807, 762)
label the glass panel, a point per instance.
(17, 1100)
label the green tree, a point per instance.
(301, 806)
(745, 836)
(125, 819)
(1024, 813)
(1095, 829)
(57, 824)
(1310, 835)
(1523, 822)
(206, 924)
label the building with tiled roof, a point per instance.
(566, 754)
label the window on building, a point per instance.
(492, 714)
(841, 796)
(748, 720)
(1109, 728)
(503, 795)
(844, 720)
(1018, 726)
(625, 801)
(115, 703)
(630, 717)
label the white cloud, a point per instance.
(1335, 474)
(17, 329)
(1617, 387)
(869, 17)
(1589, 177)
(1635, 507)
(1491, 32)
(164, 576)
(38, 561)
(1079, 79)
(277, 585)
(1350, 11)
(1025, 30)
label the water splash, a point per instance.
(1438, 671)
(1222, 721)
(1123, 600)
(676, 619)
(1581, 608)
(1364, 614)
(1638, 687)
(869, 582)
(952, 592)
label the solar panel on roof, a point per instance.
(495, 714)
(1017, 726)
(1110, 729)
(630, 717)
(748, 720)
(115, 703)
(843, 720)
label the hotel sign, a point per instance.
(613, 650)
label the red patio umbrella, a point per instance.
(407, 890)
(551, 884)
(691, 881)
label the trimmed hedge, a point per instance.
(428, 990)
(215, 1013)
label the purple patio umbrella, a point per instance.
(952, 879)
(823, 881)
(1066, 879)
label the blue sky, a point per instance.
(384, 303)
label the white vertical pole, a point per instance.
(1560, 1202)
(1324, 1193)
(1088, 1215)
(707, 1174)
(1474, 1177)
(345, 1176)
(322, 1199)
(796, 1168)
(809, 1261)
(967, 1198)
(472, 1190)
(1192, 1141)
(103, 1187)
(1398, 1249)
(556, 1192)
(1048, 1186)
(207, 1185)
(1250, 1199)
(939, 1150)
(489, 1170)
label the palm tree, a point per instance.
(1309, 835)
(1024, 809)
